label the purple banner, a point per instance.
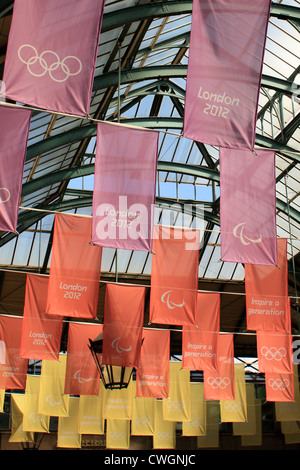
(51, 53)
(124, 187)
(248, 206)
(224, 71)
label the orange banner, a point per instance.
(152, 375)
(41, 333)
(13, 372)
(82, 376)
(290, 411)
(279, 387)
(174, 276)
(266, 287)
(274, 352)
(75, 269)
(123, 324)
(200, 343)
(220, 385)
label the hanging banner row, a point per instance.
(53, 70)
(151, 360)
(124, 191)
(126, 414)
(50, 68)
(72, 287)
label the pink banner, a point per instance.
(82, 376)
(49, 63)
(124, 187)
(200, 343)
(123, 323)
(248, 207)
(14, 124)
(152, 375)
(224, 71)
(13, 372)
(41, 333)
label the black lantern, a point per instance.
(113, 377)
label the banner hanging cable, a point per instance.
(88, 216)
(144, 285)
(91, 119)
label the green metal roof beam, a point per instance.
(152, 88)
(56, 177)
(276, 95)
(85, 170)
(30, 218)
(166, 44)
(152, 123)
(122, 16)
(171, 167)
(177, 71)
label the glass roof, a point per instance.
(151, 48)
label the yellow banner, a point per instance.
(248, 427)
(143, 416)
(2, 397)
(235, 411)
(255, 439)
(117, 404)
(117, 434)
(165, 431)
(291, 438)
(32, 420)
(211, 438)
(177, 407)
(67, 431)
(290, 411)
(91, 420)
(197, 425)
(17, 408)
(52, 400)
(290, 427)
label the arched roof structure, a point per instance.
(140, 80)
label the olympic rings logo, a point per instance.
(194, 422)
(174, 405)
(163, 435)
(273, 353)
(232, 407)
(218, 382)
(117, 435)
(142, 420)
(48, 61)
(278, 384)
